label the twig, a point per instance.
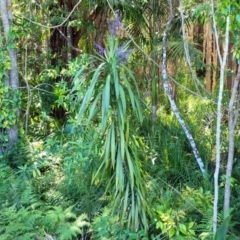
(68, 41)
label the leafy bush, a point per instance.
(106, 226)
(179, 218)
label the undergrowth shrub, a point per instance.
(106, 226)
(179, 212)
(170, 154)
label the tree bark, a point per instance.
(222, 60)
(172, 71)
(11, 79)
(215, 65)
(232, 68)
(233, 113)
(209, 53)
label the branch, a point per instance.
(59, 25)
(68, 41)
(232, 121)
(235, 94)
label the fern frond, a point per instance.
(67, 231)
(82, 221)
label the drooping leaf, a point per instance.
(105, 103)
(113, 145)
(222, 229)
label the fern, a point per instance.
(64, 223)
(18, 223)
(14, 189)
(67, 232)
(206, 225)
(28, 223)
(82, 221)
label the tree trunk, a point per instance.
(64, 41)
(222, 60)
(11, 79)
(167, 89)
(233, 113)
(172, 71)
(215, 65)
(232, 68)
(208, 56)
(198, 35)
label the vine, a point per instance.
(9, 97)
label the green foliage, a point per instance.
(101, 157)
(180, 218)
(169, 149)
(15, 189)
(9, 98)
(206, 225)
(106, 226)
(78, 167)
(28, 215)
(198, 199)
(33, 221)
(171, 224)
(225, 8)
(222, 229)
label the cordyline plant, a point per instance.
(113, 94)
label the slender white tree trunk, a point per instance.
(11, 79)
(233, 114)
(222, 61)
(167, 89)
